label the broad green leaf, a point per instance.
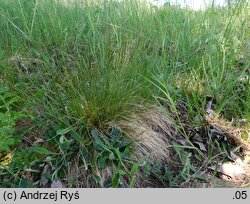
(115, 180)
(102, 162)
(63, 131)
(134, 169)
(96, 178)
(41, 150)
(111, 156)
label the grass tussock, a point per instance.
(152, 131)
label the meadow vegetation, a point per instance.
(121, 94)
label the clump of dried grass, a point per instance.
(152, 132)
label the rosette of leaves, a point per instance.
(115, 152)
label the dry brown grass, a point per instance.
(152, 132)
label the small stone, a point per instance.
(235, 171)
(57, 184)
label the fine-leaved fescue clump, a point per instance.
(110, 94)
